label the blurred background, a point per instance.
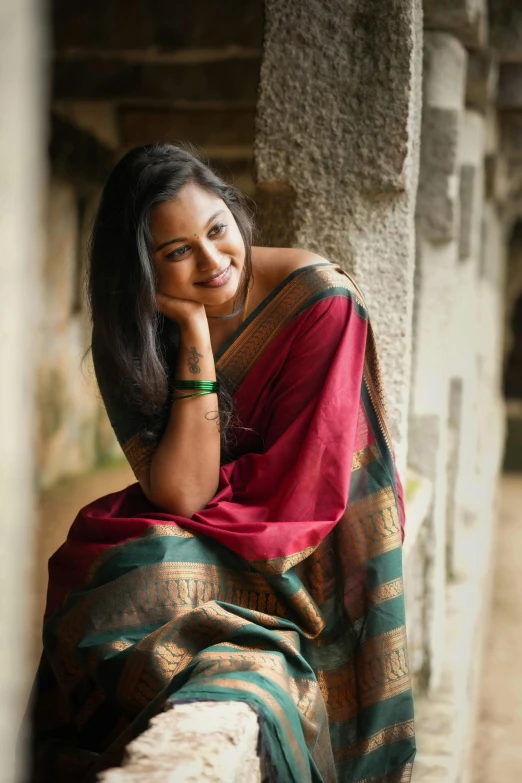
(384, 136)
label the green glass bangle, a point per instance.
(209, 387)
(196, 394)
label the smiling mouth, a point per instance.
(220, 279)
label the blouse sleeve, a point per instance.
(132, 428)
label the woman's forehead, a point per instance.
(190, 199)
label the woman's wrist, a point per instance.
(195, 332)
(196, 359)
(195, 320)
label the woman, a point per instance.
(258, 557)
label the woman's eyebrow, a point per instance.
(184, 239)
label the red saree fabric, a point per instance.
(298, 377)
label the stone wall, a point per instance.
(456, 412)
(337, 169)
(166, 74)
(73, 432)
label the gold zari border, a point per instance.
(399, 731)
(248, 347)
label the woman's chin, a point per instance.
(222, 301)
(220, 296)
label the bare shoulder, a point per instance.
(276, 263)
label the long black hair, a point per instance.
(136, 342)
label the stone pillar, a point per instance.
(466, 19)
(438, 226)
(336, 155)
(21, 240)
(467, 319)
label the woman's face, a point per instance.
(198, 251)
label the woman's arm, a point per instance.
(184, 472)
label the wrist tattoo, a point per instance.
(194, 360)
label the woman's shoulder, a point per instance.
(319, 277)
(274, 265)
(277, 263)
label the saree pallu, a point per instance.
(284, 592)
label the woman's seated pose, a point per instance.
(258, 556)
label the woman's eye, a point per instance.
(217, 230)
(179, 251)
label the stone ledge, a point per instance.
(199, 742)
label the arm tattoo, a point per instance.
(193, 362)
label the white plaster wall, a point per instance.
(22, 96)
(465, 329)
(445, 63)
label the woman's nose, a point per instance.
(209, 256)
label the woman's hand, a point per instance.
(182, 311)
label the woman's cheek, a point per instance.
(169, 281)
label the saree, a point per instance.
(285, 592)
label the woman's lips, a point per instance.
(221, 279)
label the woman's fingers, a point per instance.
(179, 310)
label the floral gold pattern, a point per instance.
(363, 457)
(314, 639)
(386, 736)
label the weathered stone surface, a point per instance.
(493, 248)
(505, 17)
(202, 742)
(452, 463)
(497, 178)
(511, 133)
(362, 107)
(445, 68)
(467, 19)
(471, 188)
(444, 85)
(339, 163)
(97, 118)
(205, 127)
(426, 455)
(72, 432)
(77, 156)
(134, 24)
(510, 86)
(87, 78)
(444, 71)
(468, 175)
(437, 202)
(445, 721)
(482, 80)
